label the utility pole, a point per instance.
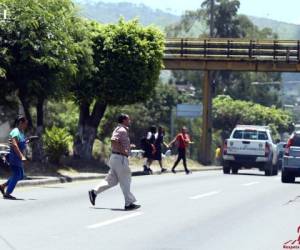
(206, 138)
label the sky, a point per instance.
(281, 10)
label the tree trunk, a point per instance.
(87, 130)
(212, 18)
(25, 105)
(38, 154)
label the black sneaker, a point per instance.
(132, 206)
(173, 171)
(163, 170)
(188, 172)
(147, 170)
(2, 190)
(92, 197)
(9, 197)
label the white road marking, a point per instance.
(108, 222)
(204, 195)
(250, 183)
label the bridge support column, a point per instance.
(206, 138)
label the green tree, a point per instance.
(227, 23)
(128, 60)
(57, 142)
(63, 114)
(227, 113)
(251, 87)
(209, 6)
(155, 111)
(42, 50)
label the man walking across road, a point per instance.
(119, 165)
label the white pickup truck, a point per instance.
(249, 147)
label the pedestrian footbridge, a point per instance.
(228, 54)
(232, 54)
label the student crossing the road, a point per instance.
(182, 141)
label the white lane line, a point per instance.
(204, 195)
(250, 183)
(109, 222)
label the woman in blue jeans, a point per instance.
(16, 157)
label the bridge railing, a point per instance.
(239, 49)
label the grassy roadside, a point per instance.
(71, 167)
(137, 163)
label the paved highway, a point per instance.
(205, 210)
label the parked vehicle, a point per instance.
(249, 147)
(291, 159)
(4, 152)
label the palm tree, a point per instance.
(210, 7)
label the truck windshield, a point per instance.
(250, 135)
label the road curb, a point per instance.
(141, 173)
(58, 180)
(68, 179)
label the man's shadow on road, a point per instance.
(20, 199)
(107, 208)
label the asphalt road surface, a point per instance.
(204, 210)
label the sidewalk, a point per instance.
(65, 177)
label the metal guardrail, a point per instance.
(233, 49)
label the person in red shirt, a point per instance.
(182, 141)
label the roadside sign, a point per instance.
(189, 110)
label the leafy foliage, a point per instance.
(62, 114)
(43, 43)
(56, 143)
(128, 58)
(227, 113)
(155, 111)
(39, 43)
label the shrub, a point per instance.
(56, 143)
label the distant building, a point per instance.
(188, 89)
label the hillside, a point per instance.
(284, 30)
(111, 12)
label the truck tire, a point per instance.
(275, 169)
(268, 168)
(286, 177)
(235, 169)
(226, 167)
(279, 165)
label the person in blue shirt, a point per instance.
(17, 158)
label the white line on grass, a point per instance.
(109, 222)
